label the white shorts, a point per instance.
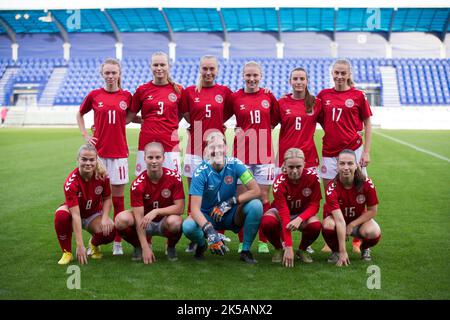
(191, 161)
(117, 170)
(328, 170)
(264, 174)
(278, 170)
(171, 161)
(86, 222)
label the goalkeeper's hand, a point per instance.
(219, 210)
(214, 240)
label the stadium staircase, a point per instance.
(51, 89)
(5, 80)
(391, 97)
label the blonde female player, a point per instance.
(110, 105)
(346, 113)
(159, 102)
(203, 107)
(87, 205)
(253, 107)
(296, 202)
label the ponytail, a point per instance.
(176, 87)
(100, 170)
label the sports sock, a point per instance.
(309, 234)
(193, 232)
(368, 243)
(271, 229)
(118, 203)
(63, 228)
(253, 211)
(331, 239)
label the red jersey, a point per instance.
(88, 195)
(297, 128)
(351, 202)
(342, 119)
(110, 113)
(253, 135)
(206, 114)
(302, 198)
(145, 193)
(159, 106)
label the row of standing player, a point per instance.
(343, 112)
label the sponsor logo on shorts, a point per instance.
(265, 104)
(123, 105)
(166, 193)
(349, 103)
(187, 168)
(361, 198)
(306, 192)
(219, 98)
(98, 190)
(172, 97)
(323, 169)
(228, 180)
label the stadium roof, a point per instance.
(167, 19)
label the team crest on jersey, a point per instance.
(349, 103)
(265, 104)
(361, 198)
(219, 98)
(228, 180)
(306, 192)
(98, 190)
(165, 193)
(123, 105)
(172, 97)
(187, 168)
(100, 104)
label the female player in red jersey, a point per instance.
(88, 203)
(254, 107)
(346, 112)
(111, 107)
(159, 103)
(298, 114)
(157, 203)
(350, 208)
(296, 202)
(203, 107)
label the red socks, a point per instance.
(367, 243)
(331, 239)
(118, 203)
(129, 234)
(63, 228)
(309, 234)
(271, 229)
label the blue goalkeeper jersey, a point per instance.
(215, 187)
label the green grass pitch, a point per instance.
(413, 255)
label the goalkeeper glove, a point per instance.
(214, 240)
(218, 211)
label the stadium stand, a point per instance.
(253, 34)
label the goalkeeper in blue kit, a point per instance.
(215, 204)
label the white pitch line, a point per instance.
(436, 155)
